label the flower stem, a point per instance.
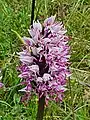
(40, 111)
(32, 13)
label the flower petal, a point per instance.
(49, 21)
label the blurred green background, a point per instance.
(75, 14)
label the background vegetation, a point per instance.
(75, 14)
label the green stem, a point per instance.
(71, 101)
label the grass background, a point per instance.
(75, 14)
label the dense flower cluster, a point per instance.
(45, 60)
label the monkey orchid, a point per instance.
(45, 62)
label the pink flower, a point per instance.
(45, 60)
(1, 85)
(35, 31)
(49, 21)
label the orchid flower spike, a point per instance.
(45, 60)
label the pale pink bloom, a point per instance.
(34, 68)
(37, 26)
(58, 28)
(49, 21)
(35, 31)
(25, 57)
(46, 77)
(24, 74)
(39, 79)
(45, 60)
(28, 41)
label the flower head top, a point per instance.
(45, 60)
